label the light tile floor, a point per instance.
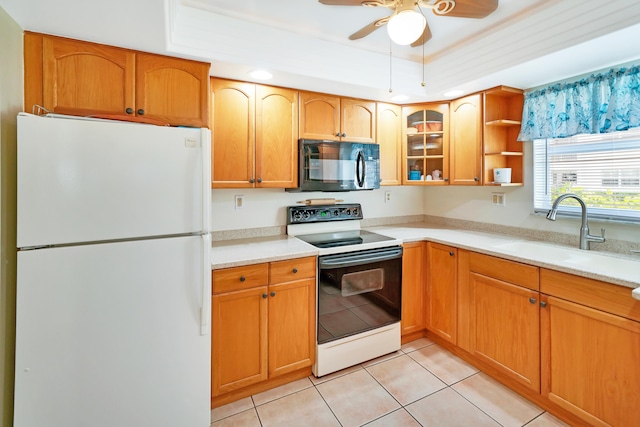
(420, 385)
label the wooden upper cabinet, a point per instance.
(465, 143)
(319, 116)
(84, 78)
(276, 137)
(232, 134)
(357, 120)
(172, 90)
(254, 135)
(389, 138)
(81, 78)
(330, 117)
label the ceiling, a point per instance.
(524, 43)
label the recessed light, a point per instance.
(456, 92)
(261, 75)
(398, 98)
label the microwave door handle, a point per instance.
(359, 175)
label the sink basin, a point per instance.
(543, 251)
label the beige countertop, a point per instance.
(614, 268)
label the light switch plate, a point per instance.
(239, 201)
(499, 199)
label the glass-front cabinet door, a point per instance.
(426, 144)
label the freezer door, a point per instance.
(111, 335)
(84, 181)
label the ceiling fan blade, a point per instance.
(426, 35)
(342, 2)
(368, 29)
(473, 8)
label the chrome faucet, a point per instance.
(585, 237)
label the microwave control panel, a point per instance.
(322, 213)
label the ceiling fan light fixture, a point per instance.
(406, 26)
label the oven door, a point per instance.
(358, 292)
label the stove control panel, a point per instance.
(322, 213)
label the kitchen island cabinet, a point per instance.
(80, 78)
(254, 135)
(334, 118)
(263, 326)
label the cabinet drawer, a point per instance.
(294, 269)
(237, 278)
(603, 296)
(508, 271)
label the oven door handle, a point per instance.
(350, 259)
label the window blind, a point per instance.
(603, 169)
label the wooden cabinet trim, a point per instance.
(237, 278)
(600, 295)
(510, 271)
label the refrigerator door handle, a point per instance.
(205, 142)
(205, 310)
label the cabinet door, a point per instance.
(425, 148)
(84, 78)
(292, 321)
(357, 120)
(319, 116)
(505, 328)
(413, 287)
(232, 134)
(389, 137)
(441, 317)
(590, 363)
(172, 90)
(238, 339)
(465, 149)
(276, 137)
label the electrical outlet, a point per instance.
(499, 199)
(239, 199)
(387, 196)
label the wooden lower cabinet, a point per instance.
(413, 287)
(263, 323)
(590, 356)
(441, 298)
(502, 317)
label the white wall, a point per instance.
(267, 207)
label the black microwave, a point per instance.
(337, 166)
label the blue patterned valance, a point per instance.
(602, 103)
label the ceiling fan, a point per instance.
(406, 16)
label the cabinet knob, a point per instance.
(259, 180)
(252, 180)
(532, 300)
(273, 294)
(129, 111)
(344, 134)
(242, 278)
(140, 112)
(264, 295)
(446, 180)
(476, 179)
(543, 304)
(451, 253)
(295, 270)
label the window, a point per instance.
(603, 169)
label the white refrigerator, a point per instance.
(114, 275)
